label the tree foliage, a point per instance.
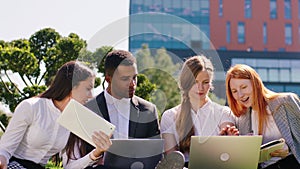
(163, 71)
(144, 87)
(160, 69)
(34, 61)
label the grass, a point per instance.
(51, 165)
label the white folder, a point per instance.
(83, 122)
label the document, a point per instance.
(269, 147)
(83, 122)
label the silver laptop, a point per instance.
(224, 152)
(134, 154)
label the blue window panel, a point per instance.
(220, 8)
(241, 32)
(287, 9)
(248, 8)
(265, 33)
(273, 9)
(288, 34)
(228, 32)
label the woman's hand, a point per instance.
(280, 153)
(102, 142)
(229, 130)
(3, 162)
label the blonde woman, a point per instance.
(197, 114)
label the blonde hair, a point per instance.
(189, 72)
(261, 94)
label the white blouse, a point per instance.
(270, 133)
(207, 121)
(33, 133)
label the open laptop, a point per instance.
(134, 154)
(224, 152)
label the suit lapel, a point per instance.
(134, 117)
(103, 106)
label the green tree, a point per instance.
(161, 71)
(144, 58)
(144, 87)
(4, 119)
(66, 49)
(45, 50)
(96, 59)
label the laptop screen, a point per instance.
(134, 154)
(225, 152)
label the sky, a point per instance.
(22, 18)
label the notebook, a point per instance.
(224, 152)
(134, 153)
(83, 122)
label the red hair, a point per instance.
(260, 93)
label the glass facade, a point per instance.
(280, 75)
(172, 24)
(273, 70)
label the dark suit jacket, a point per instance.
(143, 122)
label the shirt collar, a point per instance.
(111, 100)
(204, 108)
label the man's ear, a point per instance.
(108, 79)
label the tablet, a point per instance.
(83, 122)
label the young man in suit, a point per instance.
(133, 116)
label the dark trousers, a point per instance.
(27, 164)
(289, 162)
(97, 167)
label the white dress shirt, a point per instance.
(119, 113)
(33, 133)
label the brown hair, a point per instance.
(67, 77)
(189, 72)
(260, 93)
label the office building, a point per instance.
(264, 34)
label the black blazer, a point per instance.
(143, 120)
